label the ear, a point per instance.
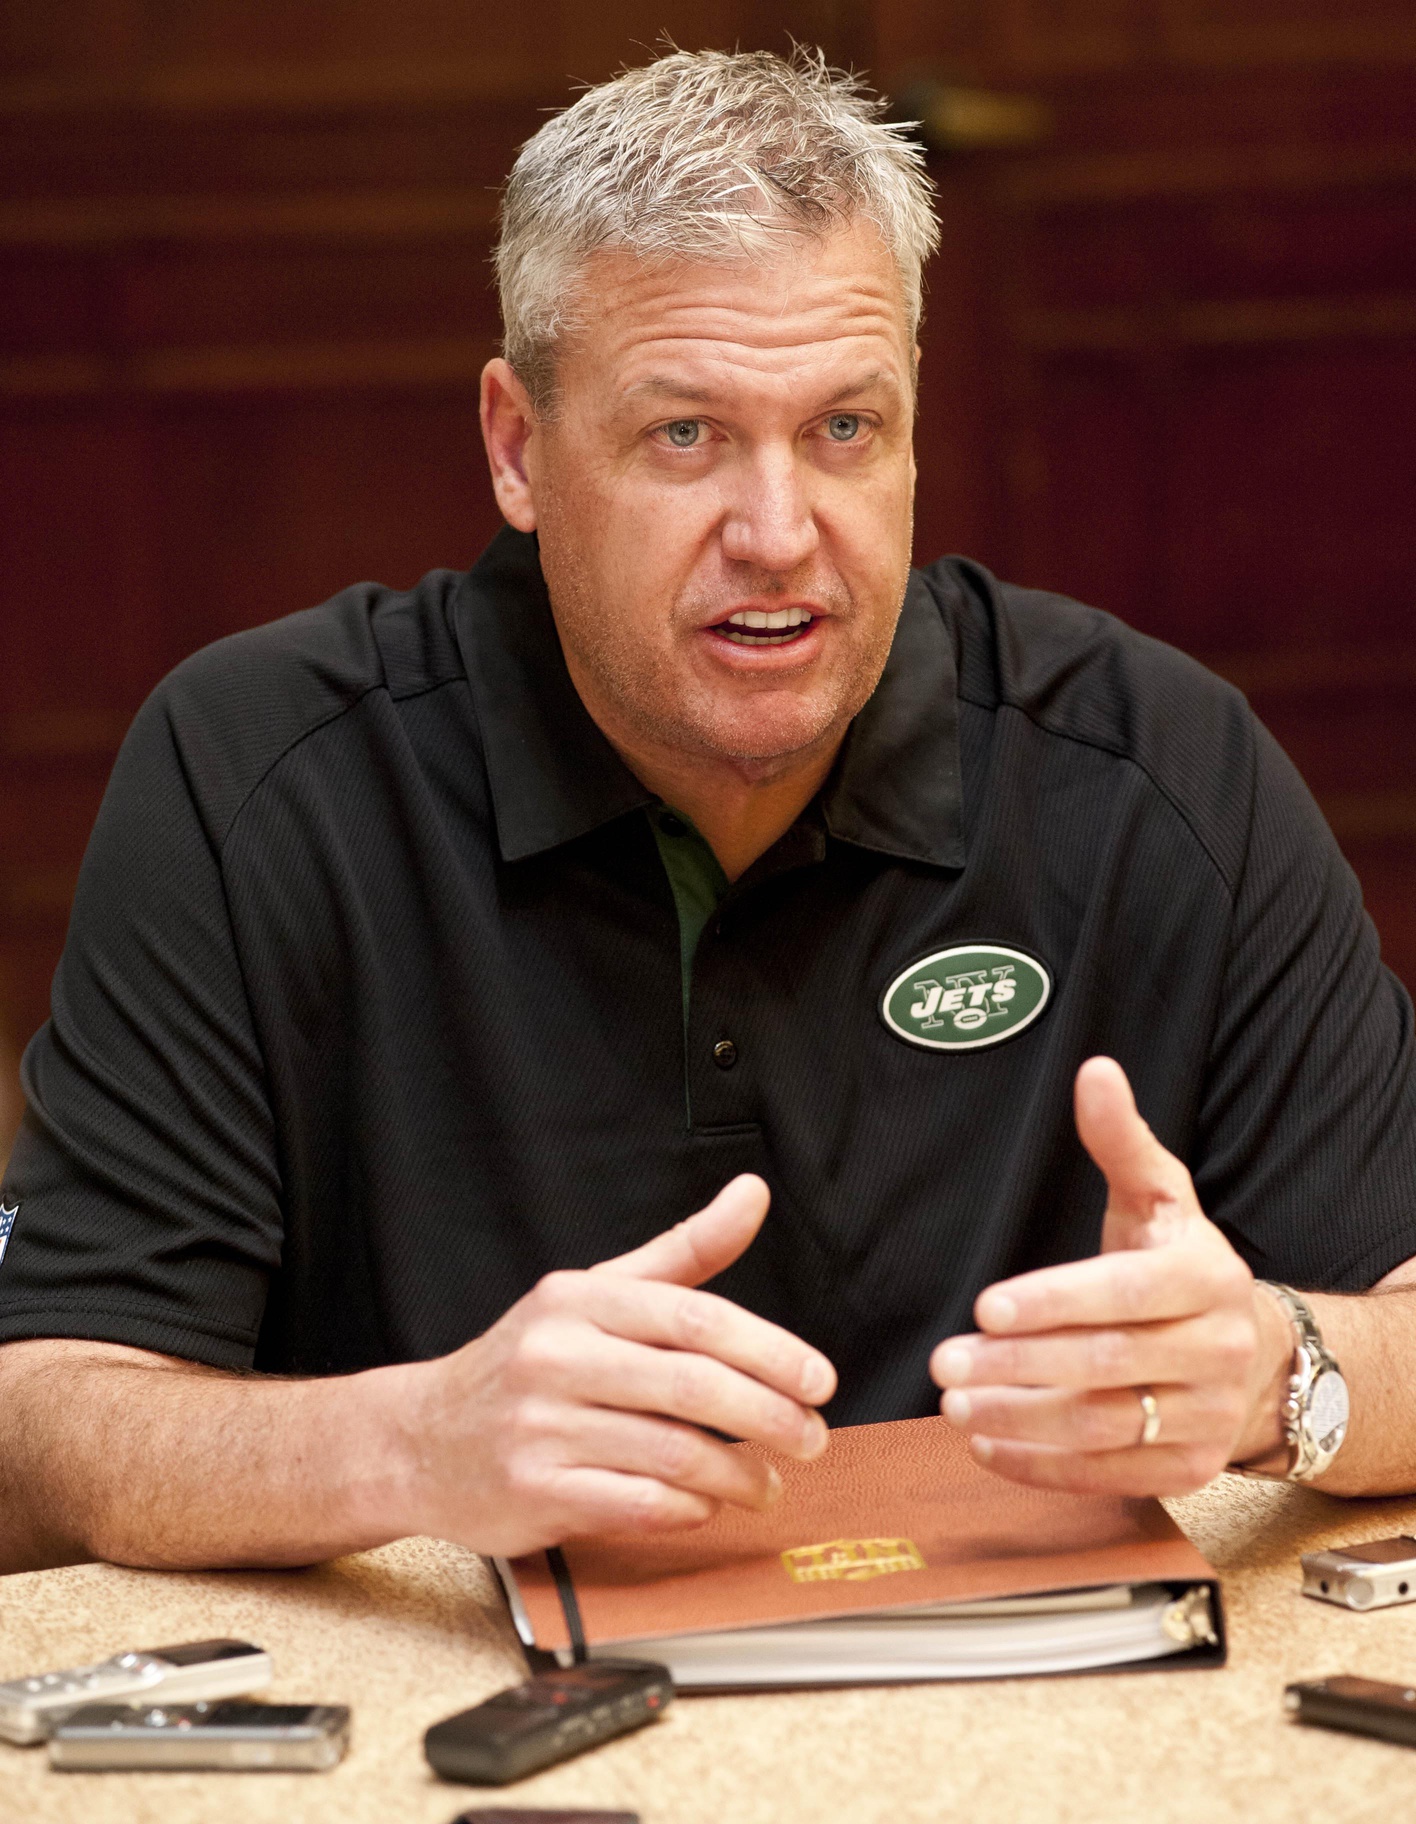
(508, 422)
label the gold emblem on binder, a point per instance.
(851, 1559)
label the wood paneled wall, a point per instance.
(1178, 346)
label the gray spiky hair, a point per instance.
(701, 154)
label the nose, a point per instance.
(770, 523)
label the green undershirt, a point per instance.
(697, 880)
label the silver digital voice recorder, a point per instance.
(1372, 1575)
(32, 1708)
(236, 1737)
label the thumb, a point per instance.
(702, 1244)
(1150, 1190)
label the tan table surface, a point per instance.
(414, 1632)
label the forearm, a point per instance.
(1372, 1337)
(133, 1458)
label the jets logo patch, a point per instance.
(966, 997)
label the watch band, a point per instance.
(1311, 1359)
(1299, 1312)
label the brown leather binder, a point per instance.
(899, 1551)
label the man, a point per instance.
(436, 952)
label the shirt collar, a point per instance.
(896, 788)
(554, 776)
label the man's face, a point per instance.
(723, 496)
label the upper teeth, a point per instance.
(780, 617)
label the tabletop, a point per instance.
(413, 1632)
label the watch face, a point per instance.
(1328, 1412)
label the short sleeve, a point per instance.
(1306, 1151)
(145, 1177)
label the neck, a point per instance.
(739, 819)
(740, 808)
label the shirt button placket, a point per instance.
(722, 1087)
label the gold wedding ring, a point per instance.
(1150, 1416)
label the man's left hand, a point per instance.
(1050, 1391)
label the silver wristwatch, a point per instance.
(1315, 1405)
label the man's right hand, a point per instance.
(588, 1407)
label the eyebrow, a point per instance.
(660, 387)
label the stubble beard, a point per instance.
(650, 700)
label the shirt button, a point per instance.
(725, 1054)
(671, 825)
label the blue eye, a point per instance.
(842, 427)
(683, 433)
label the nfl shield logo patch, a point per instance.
(7, 1222)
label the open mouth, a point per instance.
(761, 627)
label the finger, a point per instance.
(1213, 1347)
(580, 1502)
(679, 1317)
(680, 1456)
(702, 1244)
(1127, 1287)
(1105, 1420)
(597, 1369)
(1149, 1188)
(1153, 1469)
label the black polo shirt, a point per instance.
(371, 1009)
